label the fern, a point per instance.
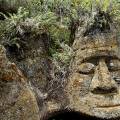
(54, 17)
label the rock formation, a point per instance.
(91, 90)
(93, 87)
(17, 100)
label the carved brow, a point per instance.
(96, 58)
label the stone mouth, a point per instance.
(72, 115)
(109, 106)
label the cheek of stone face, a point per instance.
(80, 83)
(85, 86)
(116, 77)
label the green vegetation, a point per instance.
(58, 18)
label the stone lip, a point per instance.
(109, 106)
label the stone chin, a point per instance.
(89, 108)
(108, 113)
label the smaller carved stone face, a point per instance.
(94, 85)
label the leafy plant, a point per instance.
(58, 18)
(11, 24)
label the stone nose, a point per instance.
(102, 82)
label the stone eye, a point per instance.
(114, 65)
(86, 68)
(117, 79)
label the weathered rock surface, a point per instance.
(17, 101)
(33, 60)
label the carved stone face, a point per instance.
(94, 85)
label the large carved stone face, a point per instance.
(94, 85)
